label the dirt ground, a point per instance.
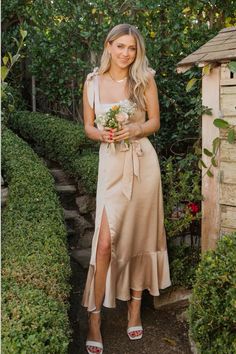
(164, 333)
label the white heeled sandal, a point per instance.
(98, 346)
(131, 331)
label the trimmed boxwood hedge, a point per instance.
(35, 261)
(212, 309)
(62, 141)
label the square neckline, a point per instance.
(98, 95)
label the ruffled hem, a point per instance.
(148, 270)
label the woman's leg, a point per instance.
(102, 263)
(134, 307)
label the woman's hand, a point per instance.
(107, 135)
(129, 131)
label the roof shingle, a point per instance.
(221, 48)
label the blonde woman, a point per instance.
(129, 250)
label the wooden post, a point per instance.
(210, 185)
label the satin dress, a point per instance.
(129, 189)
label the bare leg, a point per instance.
(134, 307)
(102, 262)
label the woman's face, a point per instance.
(123, 50)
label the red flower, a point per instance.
(193, 207)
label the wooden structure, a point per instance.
(219, 94)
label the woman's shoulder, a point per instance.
(91, 75)
(151, 74)
(90, 86)
(150, 78)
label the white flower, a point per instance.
(122, 117)
(101, 119)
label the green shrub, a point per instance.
(181, 180)
(35, 262)
(183, 260)
(87, 167)
(59, 138)
(62, 141)
(212, 310)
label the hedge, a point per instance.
(212, 309)
(62, 141)
(35, 262)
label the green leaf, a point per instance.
(5, 60)
(207, 152)
(201, 164)
(190, 84)
(23, 33)
(17, 42)
(4, 72)
(206, 70)
(221, 123)
(213, 161)
(15, 58)
(10, 56)
(232, 66)
(231, 136)
(216, 144)
(11, 108)
(209, 173)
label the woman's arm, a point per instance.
(153, 109)
(138, 130)
(90, 130)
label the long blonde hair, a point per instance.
(138, 71)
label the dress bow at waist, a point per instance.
(131, 166)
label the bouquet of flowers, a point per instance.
(116, 117)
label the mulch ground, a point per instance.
(164, 330)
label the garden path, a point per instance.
(165, 330)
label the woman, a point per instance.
(129, 252)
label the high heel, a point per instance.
(98, 346)
(132, 331)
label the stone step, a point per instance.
(51, 164)
(70, 214)
(81, 256)
(170, 296)
(61, 178)
(65, 189)
(86, 204)
(67, 196)
(70, 231)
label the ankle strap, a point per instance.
(97, 311)
(136, 298)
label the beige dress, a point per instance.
(129, 188)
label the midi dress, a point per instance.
(129, 189)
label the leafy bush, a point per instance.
(9, 94)
(12, 100)
(60, 140)
(87, 167)
(35, 263)
(183, 260)
(212, 310)
(172, 30)
(181, 181)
